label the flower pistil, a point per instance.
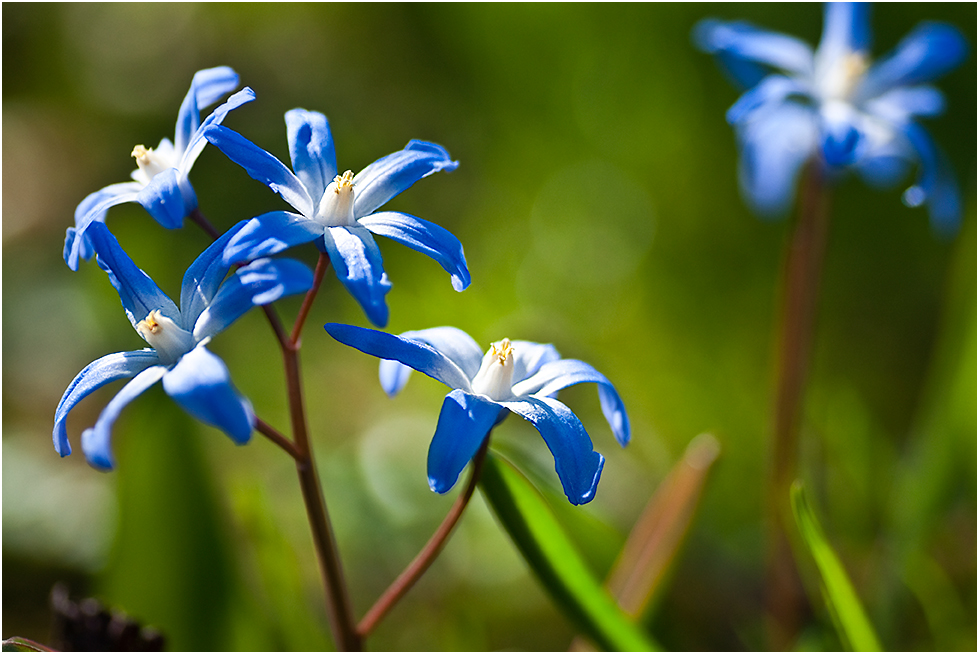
(495, 376)
(165, 336)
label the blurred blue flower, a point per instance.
(517, 376)
(833, 103)
(337, 211)
(196, 379)
(160, 181)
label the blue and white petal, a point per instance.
(168, 198)
(261, 282)
(454, 343)
(97, 441)
(311, 148)
(414, 354)
(528, 358)
(120, 365)
(139, 293)
(390, 175)
(463, 424)
(936, 183)
(269, 234)
(204, 277)
(201, 385)
(557, 375)
(577, 464)
(846, 29)
(206, 88)
(262, 166)
(744, 50)
(93, 209)
(771, 91)
(929, 51)
(425, 237)
(198, 141)
(357, 261)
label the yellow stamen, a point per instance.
(343, 182)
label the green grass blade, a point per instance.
(526, 516)
(850, 618)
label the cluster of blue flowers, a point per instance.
(339, 213)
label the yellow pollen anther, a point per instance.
(151, 323)
(502, 350)
(343, 182)
(140, 152)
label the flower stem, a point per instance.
(803, 266)
(321, 265)
(427, 555)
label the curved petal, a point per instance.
(742, 49)
(270, 234)
(905, 102)
(262, 166)
(846, 29)
(169, 198)
(198, 141)
(95, 375)
(422, 357)
(390, 175)
(556, 375)
(97, 441)
(464, 422)
(357, 261)
(93, 209)
(929, 51)
(139, 293)
(841, 138)
(578, 465)
(773, 91)
(936, 183)
(774, 146)
(206, 88)
(201, 385)
(454, 343)
(204, 276)
(425, 237)
(528, 358)
(260, 282)
(314, 157)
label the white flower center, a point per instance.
(838, 78)
(151, 163)
(170, 341)
(337, 204)
(495, 376)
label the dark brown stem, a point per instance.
(427, 556)
(276, 437)
(803, 266)
(198, 217)
(321, 265)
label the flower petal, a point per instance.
(775, 144)
(846, 29)
(771, 91)
(262, 166)
(206, 88)
(357, 261)
(270, 234)
(201, 385)
(425, 237)
(463, 424)
(577, 464)
(100, 372)
(390, 175)
(905, 102)
(454, 343)
(528, 358)
(204, 276)
(93, 209)
(415, 354)
(936, 183)
(169, 198)
(740, 47)
(929, 51)
(314, 157)
(261, 282)
(198, 141)
(139, 293)
(97, 441)
(557, 375)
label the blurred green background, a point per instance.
(597, 203)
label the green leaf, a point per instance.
(849, 616)
(554, 560)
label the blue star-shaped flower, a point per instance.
(160, 182)
(517, 376)
(338, 211)
(194, 377)
(835, 104)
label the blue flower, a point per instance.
(516, 376)
(337, 211)
(194, 377)
(832, 103)
(160, 181)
